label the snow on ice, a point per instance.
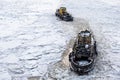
(32, 39)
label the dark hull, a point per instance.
(83, 57)
(66, 18)
(81, 69)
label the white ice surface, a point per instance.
(104, 20)
(31, 37)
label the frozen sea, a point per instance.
(33, 41)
